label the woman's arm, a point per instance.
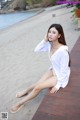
(43, 45)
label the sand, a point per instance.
(20, 66)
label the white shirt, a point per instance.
(59, 61)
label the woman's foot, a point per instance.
(16, 108)
(21, 94)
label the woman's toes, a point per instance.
(16, 108)
(20, 94)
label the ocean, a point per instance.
(9, 19)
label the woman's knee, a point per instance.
(37, 88)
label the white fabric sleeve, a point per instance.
(64, 68)
(42, 46)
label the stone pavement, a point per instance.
(20, 66)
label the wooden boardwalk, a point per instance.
(65, 104)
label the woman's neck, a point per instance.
(56, 44)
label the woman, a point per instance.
(58, 74)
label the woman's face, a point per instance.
(53, 34)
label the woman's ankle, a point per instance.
(21, 103)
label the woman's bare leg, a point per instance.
(25, 91)
(47, 75)
(45, 84)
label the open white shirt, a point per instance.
(59, 62)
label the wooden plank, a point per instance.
(79, 23)
(65, 104)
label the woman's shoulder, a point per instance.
(64, 46)
(64, 49)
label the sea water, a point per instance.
(12, 18)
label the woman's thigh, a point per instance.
(46, 76)
(50, 82)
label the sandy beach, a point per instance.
(20, 66)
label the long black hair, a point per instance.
(62, 37)
(60, 31)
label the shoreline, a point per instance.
(37, 10)
(25, 17)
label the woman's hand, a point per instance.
(53, 90)
(46, 37)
